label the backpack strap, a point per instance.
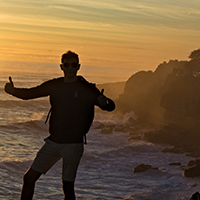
(48, 115)
(83, 80)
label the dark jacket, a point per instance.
(72, 107)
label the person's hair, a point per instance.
(69, 55)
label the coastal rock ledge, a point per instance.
(192, 169)
(143, 168)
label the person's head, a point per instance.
(70, 63)
(68, 55)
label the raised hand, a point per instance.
(102, 99)
(10, 79)
(9, 87)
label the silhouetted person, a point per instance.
(72, 101)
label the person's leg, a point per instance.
(71, 154)
(68, 189)
(45, 159)
(30, 177)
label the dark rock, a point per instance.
(183, 140)
(100, 126)
(111, 125)
(136, 137)
(191, 163)
(176, 164)
(168, 134)
(194, 185)
(143, 168)
(192, 169)
(195, 196)
(107, 130)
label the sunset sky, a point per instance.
(117, 34)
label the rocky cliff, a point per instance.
(180, 96)
(168, 97)
(142, 92)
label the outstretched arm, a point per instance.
(105, 103)
(24, 93)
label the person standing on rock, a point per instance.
(72, 100)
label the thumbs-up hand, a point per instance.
(102, 91)
(102, 100)
(10, 79)
(9, 87)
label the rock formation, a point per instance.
(192, 169)
(143, 168)
(142, 92)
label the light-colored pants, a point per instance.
(51, 152)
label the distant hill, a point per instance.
(112, 90)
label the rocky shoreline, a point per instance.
(180, 141)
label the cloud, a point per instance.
(101, 28)
(41, 21)
(102, 15)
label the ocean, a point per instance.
(106, 169)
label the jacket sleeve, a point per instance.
(34, 92)
(110, 103)
(109, 107)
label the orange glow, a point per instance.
(129, 36)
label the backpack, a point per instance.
(86, 83)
